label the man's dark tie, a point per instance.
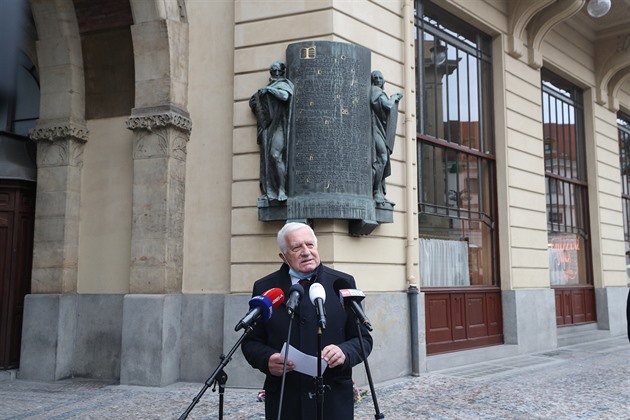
(305, 282)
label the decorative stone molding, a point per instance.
(543, 22)
(62, 152)
(520, 13)
(160, 120)
(613, 68)
(60, 132)
(160, 142)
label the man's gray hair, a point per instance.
(288, 228)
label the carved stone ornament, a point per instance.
(63, 152)
(160, 120)
(60, 132)
(160, 142)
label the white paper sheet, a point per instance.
(303, 362)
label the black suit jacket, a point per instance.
(267, 338)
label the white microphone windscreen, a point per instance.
(316, 291)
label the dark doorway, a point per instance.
(17, 215)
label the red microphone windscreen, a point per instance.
(275, 295)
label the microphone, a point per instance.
(352, 297)
(295, 294)
(261, 307)
(317, 294)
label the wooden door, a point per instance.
(575, 304)
(462, 318)
(17, 215)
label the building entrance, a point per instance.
(17, 215)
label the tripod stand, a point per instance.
(217, 376)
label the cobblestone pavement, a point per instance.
(585, 381)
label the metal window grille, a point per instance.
(565, 166)
(455, 122)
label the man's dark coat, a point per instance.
(267, 338)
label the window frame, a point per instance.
(567, 190)
(480, 48)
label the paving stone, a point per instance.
(576, 382)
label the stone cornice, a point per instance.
(63, 131)
(162, 119)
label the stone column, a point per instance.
(159, 173)
(151, 338)
(56, 241)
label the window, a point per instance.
(623, 125)
(19, 109)
(456, 162)
(566, 186)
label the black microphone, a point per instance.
(352, 297)
(295, 294)
(317, 294)
(261, 307)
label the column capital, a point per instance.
(159, 117)
(59, 131)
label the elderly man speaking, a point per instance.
(341, 348)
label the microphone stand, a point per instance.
(218, 376)
(378, 415)
(284, 367)
(319, 381)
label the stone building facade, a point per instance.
(146, 238)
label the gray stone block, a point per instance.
(529, 319)
(99, 336)
(610, 304)
(151, 344)
(390, 357)
(201, 336)
(240, 373)
(48, 336)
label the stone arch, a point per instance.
(543, 22)
(520, 14)
(60, 63)
(613, 57)
(614, 86)
(160, 39)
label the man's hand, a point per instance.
(276, 361)
(333, 356)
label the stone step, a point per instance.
(8, 375)
(461, 358)
(578, 334)
(567, 336)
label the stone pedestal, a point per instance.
(610, 302)
(529, 319)
(71, 335)
(151, 340)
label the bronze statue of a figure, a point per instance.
(273, 106)
(384, 120)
